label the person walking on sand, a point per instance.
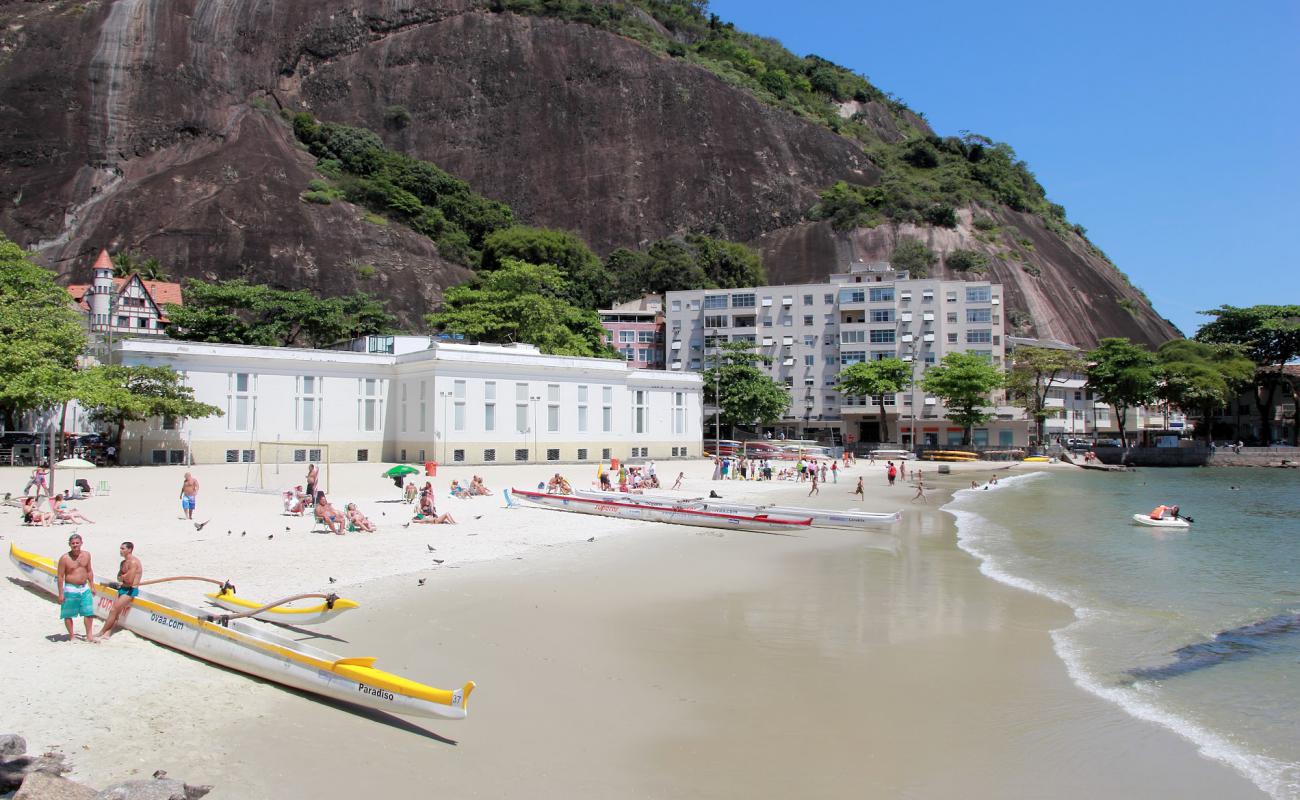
(76, 598)
(814, 490)
(835, 472)
(920, 493)
(189, 495)
(892, 473)
(681, 476)
(858, 491)
(128, 586)
(37, 479)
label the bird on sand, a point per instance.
(480, 516)
(420, 582)
(270, 536)
(198, 526)
(431, 547)
(406, 524)
(438, 560)
(334, 580)
(286, 527)
(592, 539)
(243, 533)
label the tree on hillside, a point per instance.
(1270, 336)
(147, 267)
(965, 383)
(115, 395)
(1123, 375)
(1034, 372)
(1200, 378)
(41, 334)
(522, 302)
(744, 392)
(913, 256)
(590, 284)
(669, 265)
(728, 265)
(874, 379)
(237, 312)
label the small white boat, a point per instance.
(284, 615)
(256, 650)
(633, 507)
(1167, 522)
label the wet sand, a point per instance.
(679, 662)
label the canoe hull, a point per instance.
(821, 518)
(245, 648)
(631, 508)
(1145, 519)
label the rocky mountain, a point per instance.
(158, 125)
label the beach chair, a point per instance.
(103, 489)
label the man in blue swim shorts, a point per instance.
(128, 587)
(76, 599)
(189, 495)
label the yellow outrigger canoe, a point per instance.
(254, 650)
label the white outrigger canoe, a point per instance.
(248, 648)
(283, 615)
(632, 507)
(820, 517)
(1168, 522)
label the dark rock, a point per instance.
(152, 789)
(11, 744)
(43, 786)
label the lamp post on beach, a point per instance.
(534, 399)
(446, 401)
(717, 394)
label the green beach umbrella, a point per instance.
(401, 469)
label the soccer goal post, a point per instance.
(282, 465)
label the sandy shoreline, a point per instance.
(657, 661)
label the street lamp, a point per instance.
(717, 395)
(446, 401)
(535, 399)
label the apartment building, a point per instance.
(812, 331)
(636, 330)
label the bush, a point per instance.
(319, 198)
(967, 261)
(945, 216)
(913, 256)
(1032, 269)
(921, 154)
(984, 223)
(397, 117)
(1016, 318)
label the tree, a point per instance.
(522, 302)
(130, 262)
(630, 270)
(1270, 336)
(42, 337)
(964, 381)
(115, 395)
(913, 256)
(971, 261)
(237, 312)
(1200, 378)
(590, 284)
(874, 379)
(1123, 375)
(1034, 371)
(748, 394)
(728, 265)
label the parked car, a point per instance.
(1109, 443)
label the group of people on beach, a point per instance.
(59, 511)
(754, 469)
(76, 577)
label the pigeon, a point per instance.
(228, 532)
(334, 580)
(431, 547)
(198, 526)
(270, 536)
(159, 774)
(243, 533)
(420, 582)
(438, 560)
(383, 513)
(480, 516)
(592, 539)
(406, 524)
(286, 527)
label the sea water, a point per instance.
(1196, 630)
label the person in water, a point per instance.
(1160, 512)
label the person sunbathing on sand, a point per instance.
(459, 491)
(477, 487)
(357, 520)
(295, 502)
(32, 514)
(430, 519)
(65, 513)
(327, 514)
(559, 485)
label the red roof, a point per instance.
(161, 292)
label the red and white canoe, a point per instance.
(631, 508)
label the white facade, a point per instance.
(413, 399)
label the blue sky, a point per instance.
(1168, 129)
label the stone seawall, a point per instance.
(1200, 456)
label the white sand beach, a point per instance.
(657, 661)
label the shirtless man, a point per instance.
(312, 475)
(189, 495)
(128, 586)
(76, 599)
(858, 491)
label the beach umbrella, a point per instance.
(401, 470)
(75, 463)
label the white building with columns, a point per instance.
(414, 399)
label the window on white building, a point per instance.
(979, 315)
(626, 337)
(607, 408)
(743, 301)
(881, 294)
(978, 294)
(490, 406)
(553, 407)
(679, 412)
(715, 301)
(882, 315)
(582, 409)
(308, 406)
(241, 401)
(423, 389)
(979, 336)
(458, 411)
(521, 408)
(370, 412)
(640, 421)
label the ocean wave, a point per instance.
(1279, 779)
